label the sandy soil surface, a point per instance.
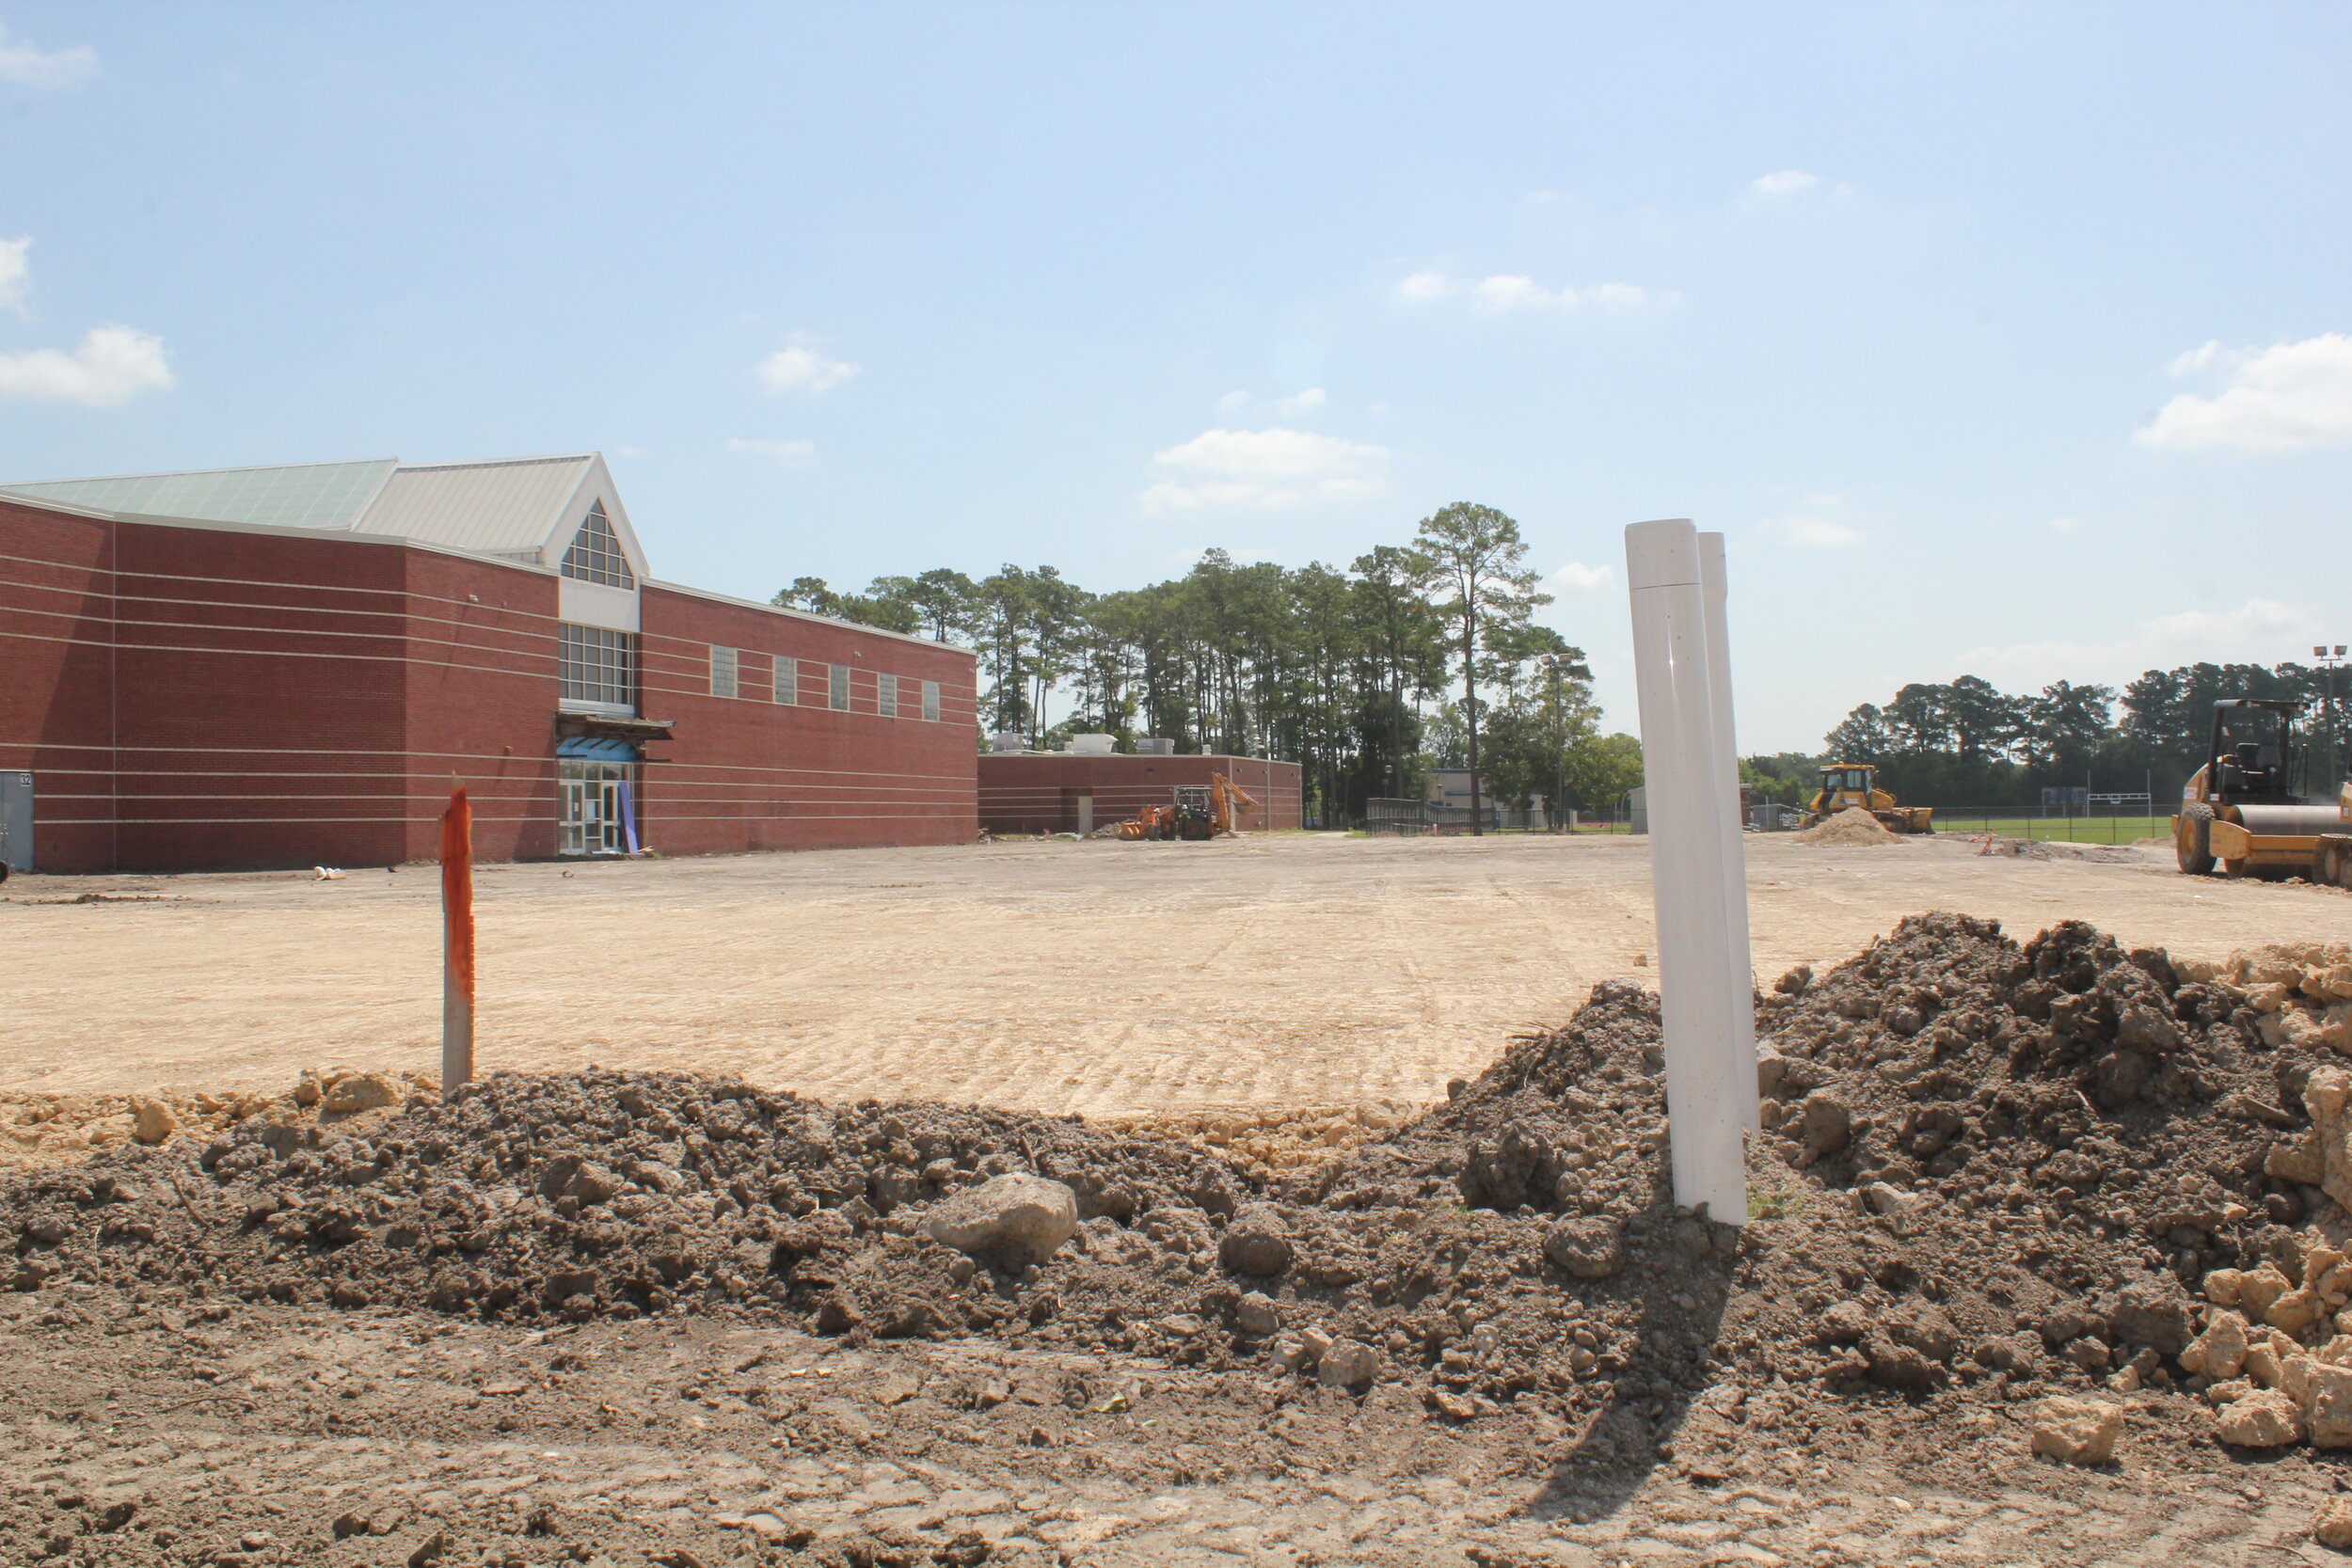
(252, 1435)
(1104, 978)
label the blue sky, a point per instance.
(2005, 340)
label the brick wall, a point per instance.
(751, 773)
(480, 672)
(56, 676)
(209, 698)
(1038, 792)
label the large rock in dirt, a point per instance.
(152, 1121)
(2332, 1528)
(1257, 1314)
(1899, 1366)
(1823, 1126)
(1018, 1219)
(1348, 1364)
(2077, 1432)
(2328, 1096)
(2258, 1290)
(361, 1091)
(2325, 1392)
(2221, 1350)
(1257, 1241)
(2153, 1310)
(1587, 1248)
(2263, 1419)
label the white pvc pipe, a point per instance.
(1741, 978)
(1686, 815)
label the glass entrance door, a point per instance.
(591, 800)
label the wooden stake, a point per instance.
(456, 941)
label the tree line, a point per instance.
(1968, 743)
(1414, 657)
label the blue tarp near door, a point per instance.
(596, 748)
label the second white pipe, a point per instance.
(1715, 588)
(1687, 882)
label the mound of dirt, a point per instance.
(1851, 827)
(37, 1128)
(2050, 849)
(1990, 1172)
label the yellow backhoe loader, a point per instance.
(1196, 812)
(2248, 810)
(1848, 784)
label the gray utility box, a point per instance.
(16, 820)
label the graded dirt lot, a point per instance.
(1103, 978)
(2013, 1203)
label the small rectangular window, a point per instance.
(886, 696)
(840, 691)
(722, 672)
(787, 680)
(931, 701)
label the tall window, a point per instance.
(886, 696)
(597, 666)
(596, 555)
(931, 701)
(787, 679)
(722, 672)
(840, 688)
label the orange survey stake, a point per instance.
(456, 941)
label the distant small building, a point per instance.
(1078, 791)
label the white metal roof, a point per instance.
(517, 509)
(293, 495)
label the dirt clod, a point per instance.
(2077, 1432)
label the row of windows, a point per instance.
(728, 680)
(597, 665)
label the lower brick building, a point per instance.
(290, 666)
(1074, 792)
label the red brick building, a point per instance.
(1067, 792)
(274, 667)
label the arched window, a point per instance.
(596, 555)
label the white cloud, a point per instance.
(1265, 470)
(1511, 291)
(16, 273)
(1422, 287)
(1576, 578)
(110, 364)
(2066, 525)
(2258, 631)
(2286, 397)
(1232, 401)
(1786, 181)
(28, 65)
(792, 454)
(802, 369)
(2196, 358)
(1817, 533)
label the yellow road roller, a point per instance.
(2249, 810)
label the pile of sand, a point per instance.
(1853, 825)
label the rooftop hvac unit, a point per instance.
(1009, 741)
(1090, 746)
(1155, 746)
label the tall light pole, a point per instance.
(2329, 662)
(1555, 667)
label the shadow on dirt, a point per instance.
(1682, 1280)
